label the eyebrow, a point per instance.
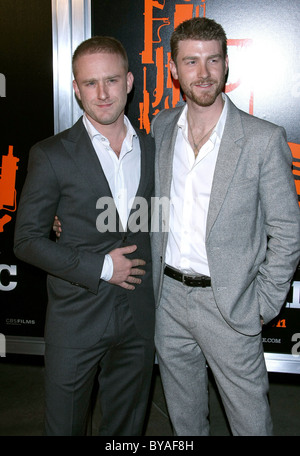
(113, 76)
(191, 57)
(89, 80)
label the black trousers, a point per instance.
(122, 361)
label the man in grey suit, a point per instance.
(229, 240)
(100, 314)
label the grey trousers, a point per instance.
(191, 333)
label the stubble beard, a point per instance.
(207, 99)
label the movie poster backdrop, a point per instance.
(26, 106)
(264, 80)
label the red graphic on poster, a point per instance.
(295, 148)
(7, 186)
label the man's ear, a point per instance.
(76, 89)
(173, 69)
(226, 64)
(130, 79)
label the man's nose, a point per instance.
(202, 70)
(102, 92)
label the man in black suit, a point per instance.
(100, 314)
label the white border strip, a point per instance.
(71, 24)
(288, 364)
(25, 345)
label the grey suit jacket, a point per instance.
(253, 223)
(66, 178)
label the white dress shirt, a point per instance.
(122, 174)
(190, 195)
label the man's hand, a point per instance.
(57, 227)
(125, 270)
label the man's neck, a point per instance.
(114, 132)
(206, 115)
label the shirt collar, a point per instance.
(219, 128)
(93, 132)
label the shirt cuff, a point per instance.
(107, 269)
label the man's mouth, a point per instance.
(204, 85)
(104, 105)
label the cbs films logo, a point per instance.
(7, 283)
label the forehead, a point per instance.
(104, 63)
(199, 47)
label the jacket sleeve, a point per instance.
(282, 222)
(37, 208)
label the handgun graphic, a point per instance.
(8, 193)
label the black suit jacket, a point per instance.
(65, 178)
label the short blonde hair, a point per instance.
(98, 44)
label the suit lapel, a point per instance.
(79, 146)
(166, 154)
(144, 176)
(165, 167)
(227, 160)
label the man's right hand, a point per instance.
(125, 270)
(57, 226)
